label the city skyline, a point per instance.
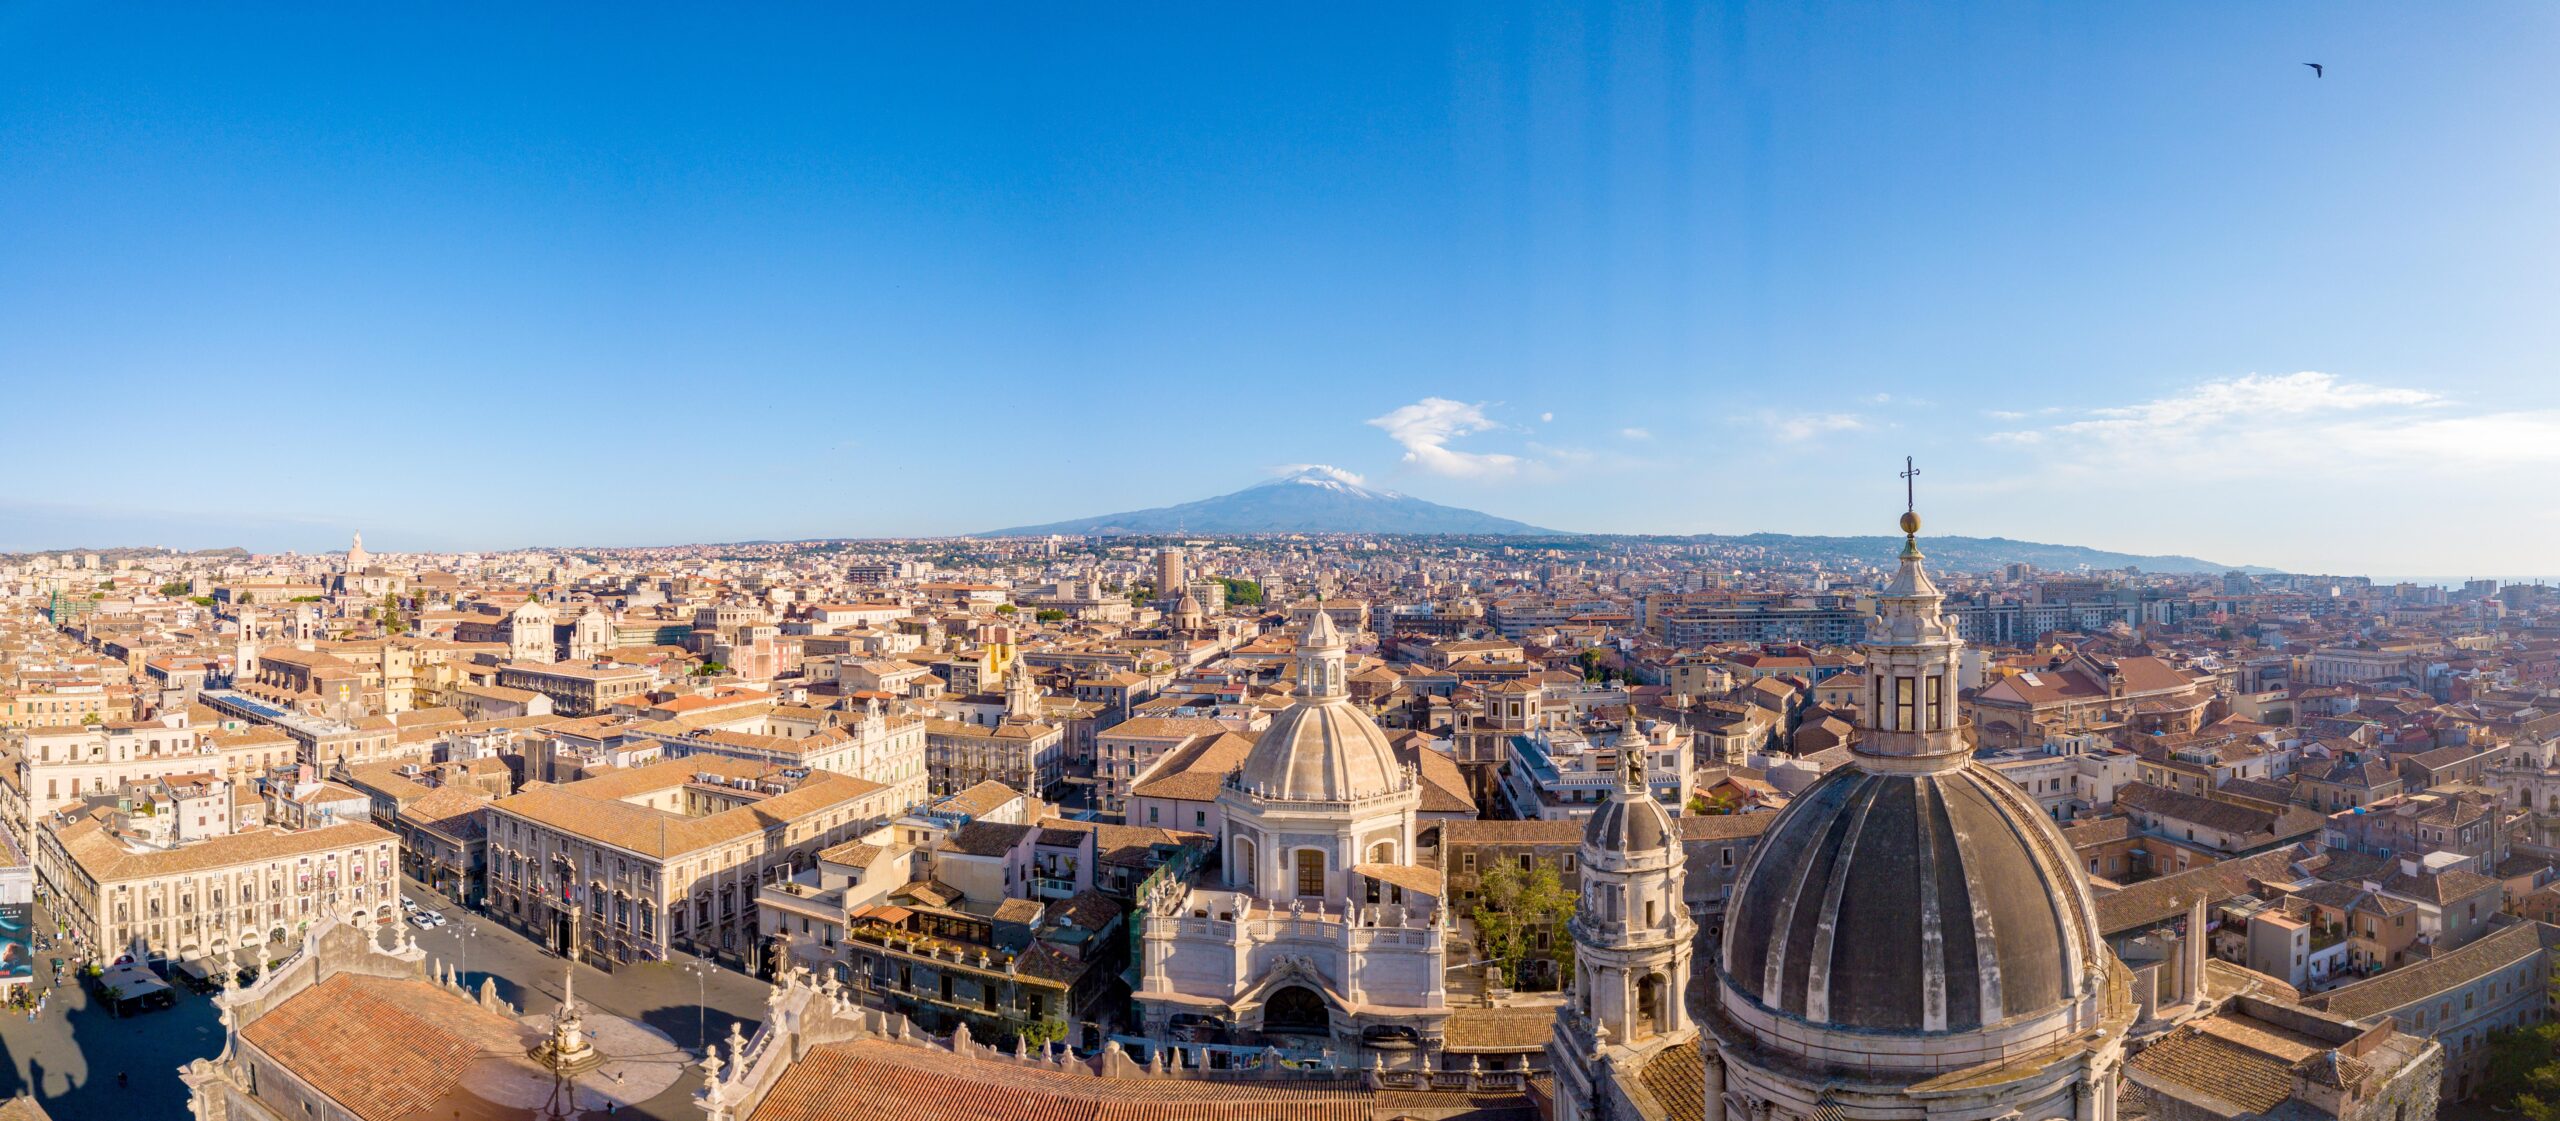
(2126, 280)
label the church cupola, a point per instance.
(1321, 657)
(1912, 659)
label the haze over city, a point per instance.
(2127, 278)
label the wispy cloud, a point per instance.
(1425, 429)
(1636, 433)
(1792, 427)
(2285, 424)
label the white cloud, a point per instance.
(1880, 399)
(1425, 429)
(1792, 427)
(2289, 424)
(2005, 414)
(1546, 418)
(1635, 433)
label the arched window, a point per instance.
(1384, 852)
(1247, 872)
(1649, 1005)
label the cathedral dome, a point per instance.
(1932, 901)
(1321, 751)
(1323, 748)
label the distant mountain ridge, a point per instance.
(1972, 554)
(1311, 499)
(1320, 499)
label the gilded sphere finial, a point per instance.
(1910, 522)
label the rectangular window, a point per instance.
(1310, 872)
(1937, 699)
(1903, 699)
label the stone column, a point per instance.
(1713, 1064)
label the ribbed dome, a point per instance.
(1323, 750)
(1629, 825)
(1920, 902)
(1631, 821)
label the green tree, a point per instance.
(245, 598)
(710, 669)
(174, 588)
(1043, 1033)
(1710, 805)
(1242, 593)
(201, 601)
(2524, 1070)
(1512, 907)
(392, 623)
(1007, 609)
(1049, 615)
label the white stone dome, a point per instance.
(1323, 750)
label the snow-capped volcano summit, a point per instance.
(1308, 498)
(1330, 478)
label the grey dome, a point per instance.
(1321, 751)
(1928, 902)
(1631, 824)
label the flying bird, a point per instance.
(2317, 71)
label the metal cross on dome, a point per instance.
(1909, 473)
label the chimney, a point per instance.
(2191, 954)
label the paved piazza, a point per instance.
(656, 1017)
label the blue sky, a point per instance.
(2119, 275)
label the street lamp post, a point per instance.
(701, 986)
(468, 934)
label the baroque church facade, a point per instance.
(1317, 926)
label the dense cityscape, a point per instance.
(1739, 560)
(1404, 826)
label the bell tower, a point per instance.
(1632, 937)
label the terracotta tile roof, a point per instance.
(2167, 897)
(1501, 1029)
(1164, 728)
(1531, 832)
(877, 1080)
(1724, 827)
(1194, 773)
(1444, 787)
(421, 1044)
(593, 808)
(2409, 984)
(1676, 1076)
(106, 860)
(2215, 1065)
